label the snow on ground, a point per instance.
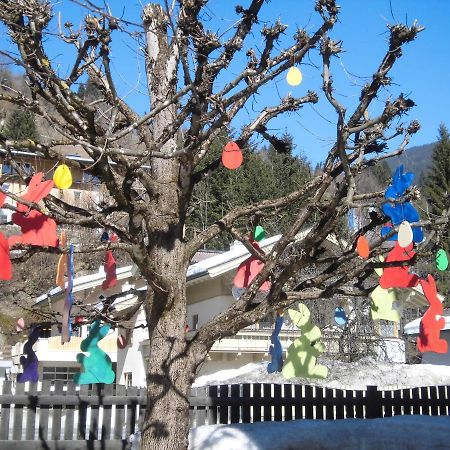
(393, 433)
(341, 375)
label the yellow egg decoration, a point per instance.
(294, 76)
(62, 177)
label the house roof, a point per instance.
(413, 327)
(210, 267)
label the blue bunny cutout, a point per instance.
(400, 212)
(30, 362)
(400, 182)
(276, 350)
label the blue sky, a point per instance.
(422, 73)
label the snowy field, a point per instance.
(358, 375)
(393, 433)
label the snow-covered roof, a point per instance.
(207, 268)
(413, 327)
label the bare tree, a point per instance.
(187, 112)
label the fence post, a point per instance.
(373, 404)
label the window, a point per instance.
(6, 168)
(194, 321)
(128, 379)
(59, 373)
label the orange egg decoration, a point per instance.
(62, 177)
(362, 247)
(232, 157)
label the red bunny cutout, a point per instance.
(5, 262)
(37, 229)
(430, 327)
(399, 277)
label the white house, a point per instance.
(209, 283)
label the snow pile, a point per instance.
(400, 432)
(341, 375)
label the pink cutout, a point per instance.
(430, 327)
(248, 270)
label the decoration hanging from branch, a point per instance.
(61, 268)
(97, 366)
(294, 76)
(232, 157)
(362, 247)
(430, 326)
(5, 261)
(66, 332)
(276, 350)
(441, 260)
(340, 317)
(20, 325)
(248, 270)
(62, 177)
(405, 234)
(259, 233)
(29, 361)
(303, 352)
(110, 268)
(399, 276)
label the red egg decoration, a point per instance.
(362, 247)
(20, 325)
(79, 319)
(232, 157)
(121, 341)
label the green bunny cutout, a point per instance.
(97, 367)
(301, 360)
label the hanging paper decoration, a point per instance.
(30, 362)
(121, 341)
(248, 270)
(362, 247)
(5, 262)
(441, 260)
(62, 262)
(382, 301)
(37, 229)
(405, 234)
(301, 359)
(339, 316)
(430, 326)
(20, 325)
(276, 350)
(97, 366)
(400, 212)
(294, 76)
(232, 157)
(259, 234)
(79, 320)
(62, 177)
(399, 276)
(110, 268)
(104, 237)
(66, 324)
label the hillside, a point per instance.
(415, 159)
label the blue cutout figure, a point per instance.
(276, 350)
(400, 182)
(97, 367)
(340, 317)
(400, 212)
(30, 362)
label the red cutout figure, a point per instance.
(430, 327)
(399, 277)
(36, 191)
(110, 267)
(2, 199)
(37, 229)
(5, 262)
(248, 270)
